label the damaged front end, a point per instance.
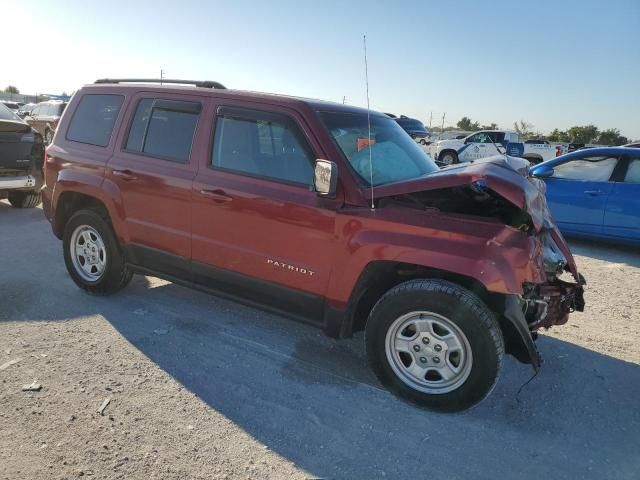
(500, 189)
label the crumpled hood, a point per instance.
(507, 176)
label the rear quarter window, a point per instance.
(94, 118)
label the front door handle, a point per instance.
(593, 193)
(126, 175)
(217, 195)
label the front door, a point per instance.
(479, 146)
(578, 191)
(259, 231)
(153, 169)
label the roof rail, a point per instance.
(196, 83)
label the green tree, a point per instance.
(558, 136)
(491, 126)
(612, 137)
(11, 89)
(583, 134)
(526, 130)
(465, 123)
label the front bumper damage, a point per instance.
(545, 305)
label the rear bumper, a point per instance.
(22, 182)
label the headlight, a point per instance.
(554, 261)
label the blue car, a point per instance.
(595, 193)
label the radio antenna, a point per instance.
(366, 78)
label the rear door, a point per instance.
(578, 191)
(153, 170)
(622, 213)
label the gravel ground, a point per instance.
(200, 387)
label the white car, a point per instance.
(487, 143)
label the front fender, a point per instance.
(499, 257)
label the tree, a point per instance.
(525, 130)
(465, 123)
(584, 134)
(11, 89)
(491, 126)
(558, 136)
(612, 137)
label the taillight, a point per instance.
(558, 150)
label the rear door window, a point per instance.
(164, 129)
(593, 169)
(633, 171)
(94, 118)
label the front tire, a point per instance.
(92, 254)
(22, 199)
(435, 343)
(449, 158)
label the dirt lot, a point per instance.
(200, 387)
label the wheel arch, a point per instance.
(380, 276)
(70, 202)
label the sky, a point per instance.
(554, 64)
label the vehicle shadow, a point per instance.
(314, 401)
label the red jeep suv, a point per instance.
(327, 213)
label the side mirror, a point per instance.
(325, 179)
(542, 171)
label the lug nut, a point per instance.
(425, 340)
(423, 359)
(416, 348)
(436, 359)
(437, 348)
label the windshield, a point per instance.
(6, 114)
(414, 125)
(395, 156)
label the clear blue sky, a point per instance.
(552, 63)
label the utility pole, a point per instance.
(443, 116)
(430, 118)
(344, 99)
(161, 76)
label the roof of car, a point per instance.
(315, 104)
(591, 152)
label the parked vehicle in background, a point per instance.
(11, 105)
(595, 192)
(487, 143)
(44, 117)
(269, 199)
(25, 109)
(633, 145)
(21, 157)
(415, 128)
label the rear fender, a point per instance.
(93, 185)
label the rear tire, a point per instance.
(22, 199)
(92, 255)
(435, 343)
(449, 158)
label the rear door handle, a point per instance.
(593, 193)
(217, 195)
(126, 175)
